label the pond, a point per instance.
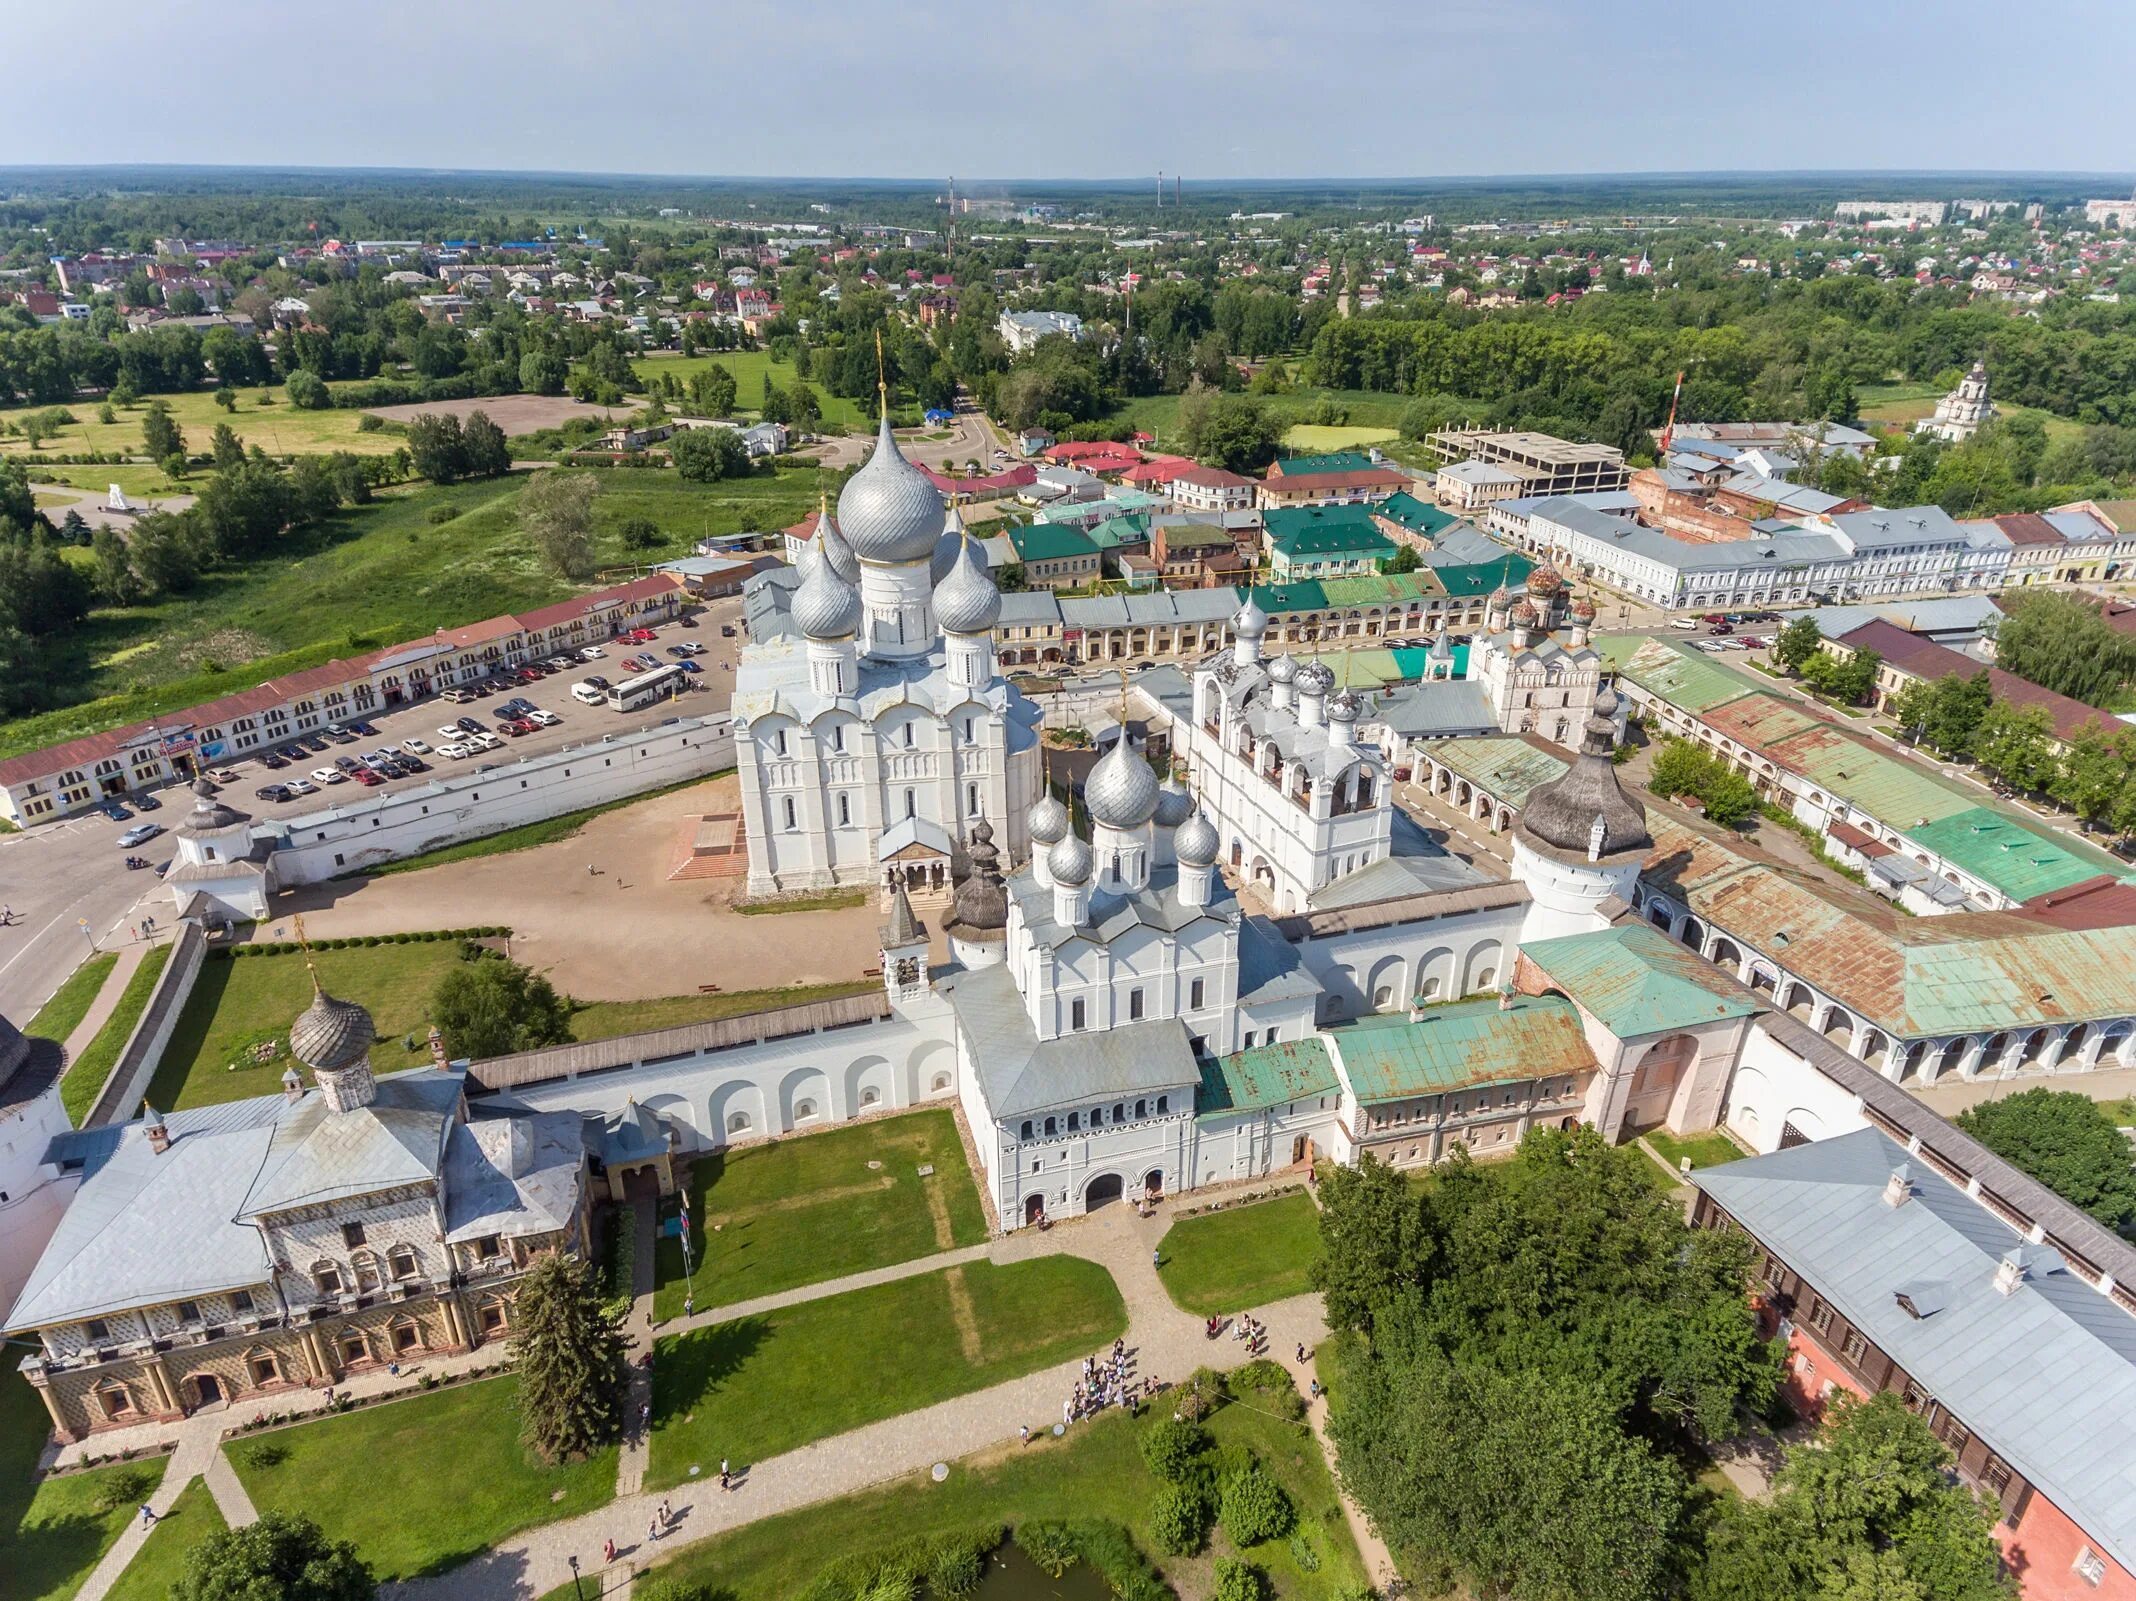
(1012, 1576)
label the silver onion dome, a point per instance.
(1069, 861)
(1283, 669)
(1048, 821)
(825, 605)
(331, 1034)
(835, 549)
(890, 511)
(1344, 708)
(1121, 790)
(1196, 843)
(1250, 622)
(1315, 678)
(946, 548)
(966, 602)
(1174, 802)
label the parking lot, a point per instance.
(68, 888)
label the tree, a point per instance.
(1681, 768)
(1945, 711)
(1253, 1507)
(556, 510)
(1236, 1580)
(569, 1356)
(706, 455)
(307, 390)
(2094, 770)
(542, 372)
(1798, 642)
(282, 1555)
(712, 391)
(74, 527)
(2015, 743)
(436, 448)
(226, 398)
(1866, 1512)
(115, 579)
(2068, 1143)
(483, 451)
(227, 449)
(1373, 1238)
(1404, 560)
(2061, 642)
(492, 1007)
(1235, 432)
(640, 533)
(160, 436)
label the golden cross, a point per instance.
(882, 372)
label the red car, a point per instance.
(644, 636)
(367, 778)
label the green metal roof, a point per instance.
(1635, 980)
(1114, 532)
(1190, 536)
(1480, 578)
(2019, 860)
(1283, 523)
(1884, 786)
(1418, 516)
(1267, 1075)
(1343, 539)
(1504, 764)
(1050, 542)
(1381, 589)
(1688, 680)
(1467, 1043)
(1334, 461)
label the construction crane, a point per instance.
(1669, 432)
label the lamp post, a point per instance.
(575, 1587)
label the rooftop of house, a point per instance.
(1634, 980)
(1462, 1045)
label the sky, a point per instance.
(1094, 89)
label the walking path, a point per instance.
(1166, 1343)
(816, 1292)
(106, 1000)
(187, 1463)
(637, 1416)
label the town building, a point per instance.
(1022, 330)
(1196, 488)
(1544, 464)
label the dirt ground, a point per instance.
(515, 414)
(621, 932)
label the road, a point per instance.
(972, 437)
(63, 876)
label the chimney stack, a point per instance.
(159, 1137)
(1898, 1189)
(2011, 1271)
(292, 1086)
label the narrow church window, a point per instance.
(1161, 1104)
(845, 812)
(912, 804)
(1246, 1044)
(1052, 1128)
(1075, 1121)
(1194, 995)
(1134, 1002)
(787, 805)
(1119, 1111)
(837, 736)
(1142, 1108)
(909, 740)
(1075, 1014)
(1026, 1134)
(778, 741)
(971, 800)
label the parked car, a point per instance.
(1684, 625)
(347, 764)
(726, 630)
(416, 747)
(359, 726)
(453, 751)
(592, 653)
(514, 727)
(689, 667)
(459, 697)
(542, 718)
(335, 730)
(113, 810)
(302, 786)
(142, 801)
(587, 694)
(273, 792)
(140, 834)
(596, 680)
(367, 778)
(691, 647)
(329, 775)
(471, 725)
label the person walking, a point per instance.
(148, 1516)
(724, 1484)
(1023, 1431)
(666, 1517)
(652, 1529)
(608, 1550)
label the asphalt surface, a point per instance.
(69, 891)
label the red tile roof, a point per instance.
(2028, 528)
(2102, 902)
(1160, 470)
(1924, 658)
(1217, 478)
(1008, 478)
(1317, 483)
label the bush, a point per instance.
(264, 1454)
(1179, 1518)
(1171, 1447)
(1254, 1508)
(955, 1570)
(1236, 1581)
(1272, 1387)
(1302, 1553)
(369, 423)
(127, 1487)
(1051, 1545)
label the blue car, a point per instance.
(689, 667)
(113, 810)
(145, 802)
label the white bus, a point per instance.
(658, 684)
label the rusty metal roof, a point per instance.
(1267, 1075)
(1467, 1043)
(1635, 980)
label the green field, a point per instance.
(70, 1003)
(241, 1001)
(192, 1520)
(1096, 1471)
(421, 1484)
(371, 576)
(801, 1210)
(1705, 1150)
(763, 1385)
(85, 1075)
(1370, 417)
(280, 429)
(1241, 1257)
(749, 368)
(52, 1533)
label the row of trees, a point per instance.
(1539, 1355)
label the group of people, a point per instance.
(1107, 1381)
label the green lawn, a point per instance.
(239, 1001)
(759, 1386)
(1097, 1471)
(370, 576)
(52, 1533)
(1241, 1257)
(422, 1484)
(1363, 410)
(1705, 1150)
(801, 1210)
(70, 1003)
(280, 429)
(749, 368)
(192, 1520)
(85, 1075)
